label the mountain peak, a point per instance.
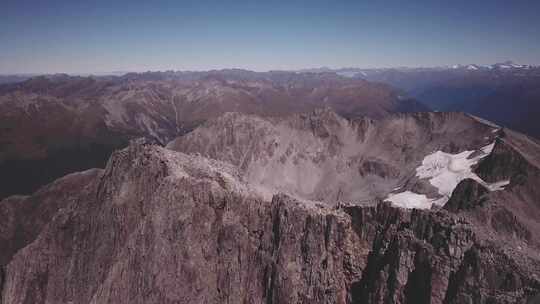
(192, 222)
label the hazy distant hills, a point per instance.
(53, 125)
(506, 93)
(13, 78)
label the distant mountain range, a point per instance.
(508, 66)
(75, 122)
(15, 78)
(506, 93)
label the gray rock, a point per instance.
(166, 227)
(323, 156)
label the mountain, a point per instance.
(412, 160)
(325, 157)
(515, 105)
(505, 93)
(240, 187)
(161, 226)
(57, 124)
(14, 78)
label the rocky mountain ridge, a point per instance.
(323, 156)
(413, 160)
(54, 125)
(157, 226)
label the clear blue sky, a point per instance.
(99, 36)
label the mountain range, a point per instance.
(234, 186)
(506, 93)
(306, 207)
(53, 125)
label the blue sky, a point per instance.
(101, 36)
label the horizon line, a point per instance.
(305, 69)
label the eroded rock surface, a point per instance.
(323, 156)
(159, 226)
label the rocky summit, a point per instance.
(295, 209)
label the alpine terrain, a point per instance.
(269, 152)
(310, 206)
(59, 124)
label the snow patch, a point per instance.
(348, 74)
(445, 171)
(487, 150)
(497, 186)
(410, 199)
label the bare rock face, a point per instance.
(513, 212)
(323, 156)
(505, 162)
(159, 226)
(468, 195)
(23, 217)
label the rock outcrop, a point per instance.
(515, 212)
(468, 195)
(157, 226)
(323, 156)
(23, 217)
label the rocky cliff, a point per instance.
(158, 226)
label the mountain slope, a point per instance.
(54, 125)
(505, 93)
(165, 227)
(420, 160)
(323, 156)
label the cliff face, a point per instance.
(23, 217)
(159, 226)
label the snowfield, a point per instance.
(410, 199)
(445, 171)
